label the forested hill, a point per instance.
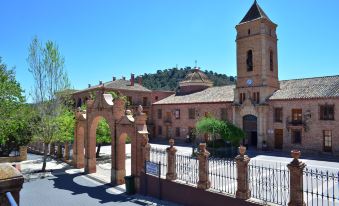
(169, 79)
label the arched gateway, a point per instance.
(122, 124)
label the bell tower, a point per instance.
(257, 61)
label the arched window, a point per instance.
(249, 60)
(271, 60)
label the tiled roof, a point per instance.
(318, 87)
(119, 84)
(196, 76)
(209, 95)
(255, 12)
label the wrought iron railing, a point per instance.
(269, 183)
(321, 187)
(223, 175)
(187, 169)
(159, 156)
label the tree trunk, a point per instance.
(66, 151)
(44, 157)
(98, 151)
(59, 155)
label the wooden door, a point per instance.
(278, 138)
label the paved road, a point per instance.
(72, 188)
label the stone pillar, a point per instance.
(80, 130)
(140, 147)
(23, 153)
(203, 154)
(171, 170)
(296, 180)
(11, 180)
(242, 160)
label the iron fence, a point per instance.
(321, 187)
(223, 175)
(269, 183)
(187, 169)
(159, 156)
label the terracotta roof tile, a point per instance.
(317, 87)
(209, 95)
(119, 84)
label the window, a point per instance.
(327, 140)
(326, 112)
(249, 61)
(191, 113)
(168, 117)
(159, 130)
(144, 101)
(297, 116)
(177, 131)
(242, 97)
(159, 113)
(129, 100)
(177, 113)
(249, 32)
(256, 97)
(278, 115)
(296, 136)
(223, 114)
(271, 60)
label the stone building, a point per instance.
(300, 113)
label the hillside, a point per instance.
(168, 79)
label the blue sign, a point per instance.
(152, 168)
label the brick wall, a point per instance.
(312, 136)
(213, 109)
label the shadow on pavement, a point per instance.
(66, 181)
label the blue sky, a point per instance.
(101, 39)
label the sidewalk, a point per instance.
(66, 178)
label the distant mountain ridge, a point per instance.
(169, 79)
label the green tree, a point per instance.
(224, 129)
(15, 115)
(103, 135)
(47, 67)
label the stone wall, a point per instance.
(21, 157)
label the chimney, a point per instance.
(100, 82)
(132, 79)
(89, 85)
(124, 78)
(140, 80)
(114, 78)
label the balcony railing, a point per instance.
(296, 123)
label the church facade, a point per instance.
(300, 113)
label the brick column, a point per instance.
(296, 180)
(171, 151)
(204, 182)
(23, 153)
(52, 149)
(242, 160)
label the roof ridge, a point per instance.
(337, 75)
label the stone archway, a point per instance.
(121, 124)
(251, 129)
